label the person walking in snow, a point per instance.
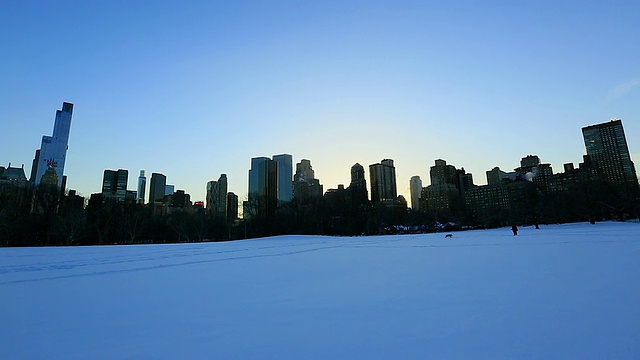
(514, 228)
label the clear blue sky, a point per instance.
(196, 89)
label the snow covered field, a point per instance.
(564, 291)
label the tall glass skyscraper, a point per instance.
(142, 186)
(606, 145)
(114, 184)
(157, 187)
(260, 183)
(53, 149)
(285, 177)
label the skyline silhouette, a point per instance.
(198, 90)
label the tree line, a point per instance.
(44, 217)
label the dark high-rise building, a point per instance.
(255, 189)
(383, 181)
(157, 187)
(358, 186)
(232, 207)
(34, 167)
(180, 199)
(443, 174)
(263, 187)
(445, 196)
(217, 196)
(607, 147)
(285, 177)
(305, 185)
(114, 184)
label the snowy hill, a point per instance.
(564, 291)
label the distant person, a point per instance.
(514, 228)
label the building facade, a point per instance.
(305, 185)
(142, 187)
(606, 145)
(358, 186)
(383, 181)
(217, 196)
(232, 207)
(53, 149)
(114, 185)
(415, 188)
(157, 187)
(285, 177)
(263, 187)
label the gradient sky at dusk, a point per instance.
(196, 89)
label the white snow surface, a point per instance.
(561, 292)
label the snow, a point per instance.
(563, 291)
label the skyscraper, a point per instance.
(305, 185)
(285, 177)
(442, 174)
(114, 184)
(53, 149)
(383, 181)
(232, 207)
(304, 171)
(209, 199)
(221, 194)
(142, 186)
(157, 187)
(358, 186)
(415, 187)
(217, 196)
(255, 189)
(606, 144)
(263, 187)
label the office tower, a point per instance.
(263, 187)
(607, 147)
(209, 199)
(221, 194)
(358, 186)
(217, 196)
(34, 167)
(465, 181)
(443, 174)
(305, 185)
(285, 177)
(383, 181)
(53, 149)
(114, 184)
(254, 177)
(232, 207)
(157, 187)
(415, 187)
(180, 199)
(304, 171)
(142, 186)
(169, 189)
(445, 196)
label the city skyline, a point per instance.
(335, 83)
